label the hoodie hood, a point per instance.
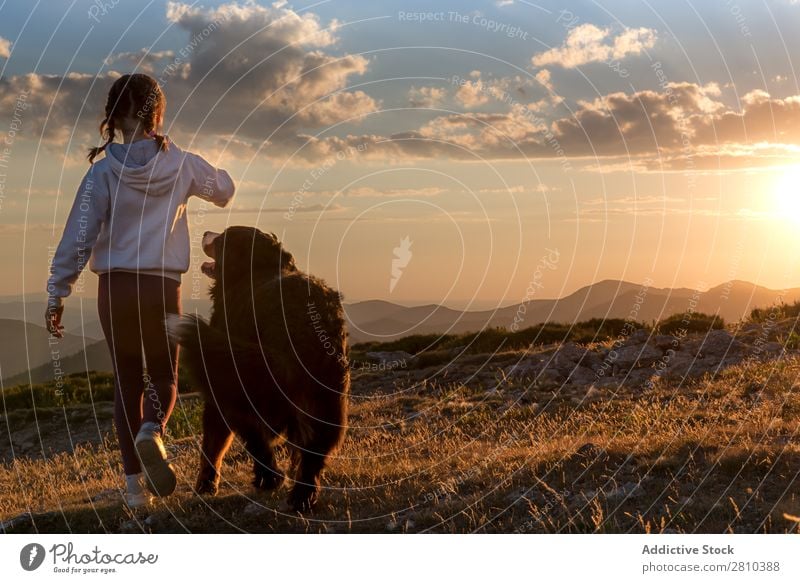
(142, 166)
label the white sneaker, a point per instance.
(159, 473)
(140, 500)
(137, 495)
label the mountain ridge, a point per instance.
(380, 320)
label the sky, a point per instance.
(470, 154)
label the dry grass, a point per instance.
(447, 451)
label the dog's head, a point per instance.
(244, 254)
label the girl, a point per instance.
(129, 221)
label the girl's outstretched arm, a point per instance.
(83, 225)
(209, 183)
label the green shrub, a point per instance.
(775, 312)
(498, 338)
(680, 324)
(186, 419)
(75, 388)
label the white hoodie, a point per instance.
(130, 214)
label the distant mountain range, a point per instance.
(381, 321)
(26, 347)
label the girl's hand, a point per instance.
(52, 318)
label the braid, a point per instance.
(94, 152)
(135, 96)
(162, 141)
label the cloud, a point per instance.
(589, 43)
(251, 72)
(476, 90)
(264, 79)
(56, 104)
(472, 93)
(682, 127)
(426, 96)
(263, 70)
(370, 192)
(5, 48)
(141, 61)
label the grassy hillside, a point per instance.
(716, 456)
(460, 446)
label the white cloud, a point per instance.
(5, 48)
(426, 96)
(141, 61)
(250, 72)
(589, 43)
(472, 93)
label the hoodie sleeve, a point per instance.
(212, 184)
(80, 234)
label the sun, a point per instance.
(786, 195)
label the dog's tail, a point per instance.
(213, 354)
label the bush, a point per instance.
(498, 338)
(776, 312)
(681, 324)
(75, 388)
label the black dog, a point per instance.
(272, 361)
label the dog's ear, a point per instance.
(265, 250)
(287, 259)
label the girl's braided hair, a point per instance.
(136, 96)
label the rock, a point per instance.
(639, 337)
(16, 521)
(772, 349)
(569, 355)
(550, 376)
(254, 509)
(580, 375)
(627, 490)
(602, 382)
(405, 524)
(666, 342)
(719, 343)
(527, 368)
(683, 365)
(393, 359)
(592, 393)
(639, 355)
(637, 377)
(130, 526)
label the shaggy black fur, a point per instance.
(271, 361)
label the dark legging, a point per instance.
(132, 310)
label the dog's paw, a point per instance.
(205, 486)
(303, 498)
(268, 479)
(176, 325)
